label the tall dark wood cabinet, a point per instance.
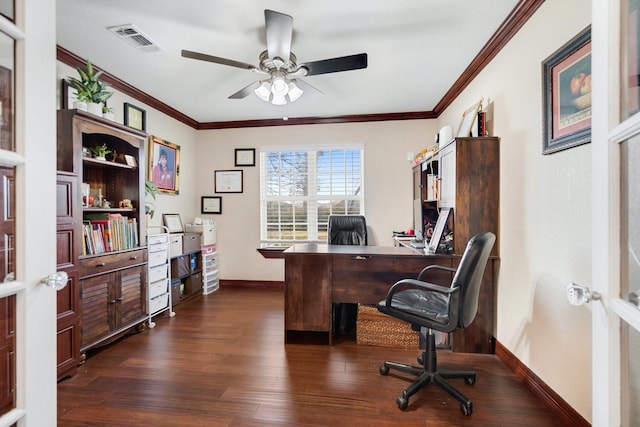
(102, 243)
(467, 180)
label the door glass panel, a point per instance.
(630, 79)
(7, 8)
(6, 92)
(630, 217)
(630, 375)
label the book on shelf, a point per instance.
(115, 233)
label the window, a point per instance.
(301, 187)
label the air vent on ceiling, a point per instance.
(136, 38)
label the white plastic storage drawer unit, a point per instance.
(210, 272)
(158, 272)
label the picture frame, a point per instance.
(566, 96)
(67, 95)
(228, 181)
(173, 223)
(468, 118)
(130, 161)
(135, 117)
(211, 205)
(245, 157)
(164, 173)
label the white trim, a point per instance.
(626, 311)
(8, 27)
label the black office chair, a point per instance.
(432, 307)
(346, 230)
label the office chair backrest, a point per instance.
(469, 275)
(347, 230)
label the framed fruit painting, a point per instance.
(566, 95)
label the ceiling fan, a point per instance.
(283, 83)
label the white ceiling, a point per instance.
(416, 50)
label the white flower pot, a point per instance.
(94, 108)
(80, 105)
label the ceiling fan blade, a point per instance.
(217, 60)
(334, 65)
(279, 29)
(306, 86)
(245, 91)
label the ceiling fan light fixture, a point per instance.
(278, 100)
(279, 86)
(264, 91)
(294, 91)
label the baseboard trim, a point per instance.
(564, 411)
(259, 284)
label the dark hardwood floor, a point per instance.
(222, 362)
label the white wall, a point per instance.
(545, 210)
(388, 187)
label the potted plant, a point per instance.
(150, 189)
(108, 113)
(100, 151)
(90, 89)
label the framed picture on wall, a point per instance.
(211, 205)
(164, 164)
(135, 117)
(566, 83)
(245, 157)
(229, 181)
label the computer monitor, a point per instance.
(418, 222)
(438, 230)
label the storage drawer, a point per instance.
(211, 261)
(190, 243)
(112, 261)
(156, 239)
(207, 249)
(157, 258)
(158, 272)
(158, 288)
(193, 284)
(158, 303)
(175, 245)
(211, 283)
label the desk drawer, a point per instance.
(113, 261)
(367, 279)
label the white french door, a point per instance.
(616, 212)
(28, 236)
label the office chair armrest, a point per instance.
(438, 267)
(404, 283)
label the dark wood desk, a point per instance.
(317, 275)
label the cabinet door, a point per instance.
(131, 296)
(448, 176)
(95, 308)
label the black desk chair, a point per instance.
(432, 307)
(346, 230)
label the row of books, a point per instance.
(113, 232)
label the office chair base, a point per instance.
(429, 375)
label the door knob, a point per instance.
(57, 280)
(580, 295)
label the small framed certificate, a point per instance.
(245, 157)
(211, 205)
(229, 181)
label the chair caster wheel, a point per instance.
(470, 380)
(421, 360)
(466, 408)
(384, 370)
(402, 402)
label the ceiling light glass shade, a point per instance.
(294, 91)
(278, 100)
(279, 87)
(263, 91)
